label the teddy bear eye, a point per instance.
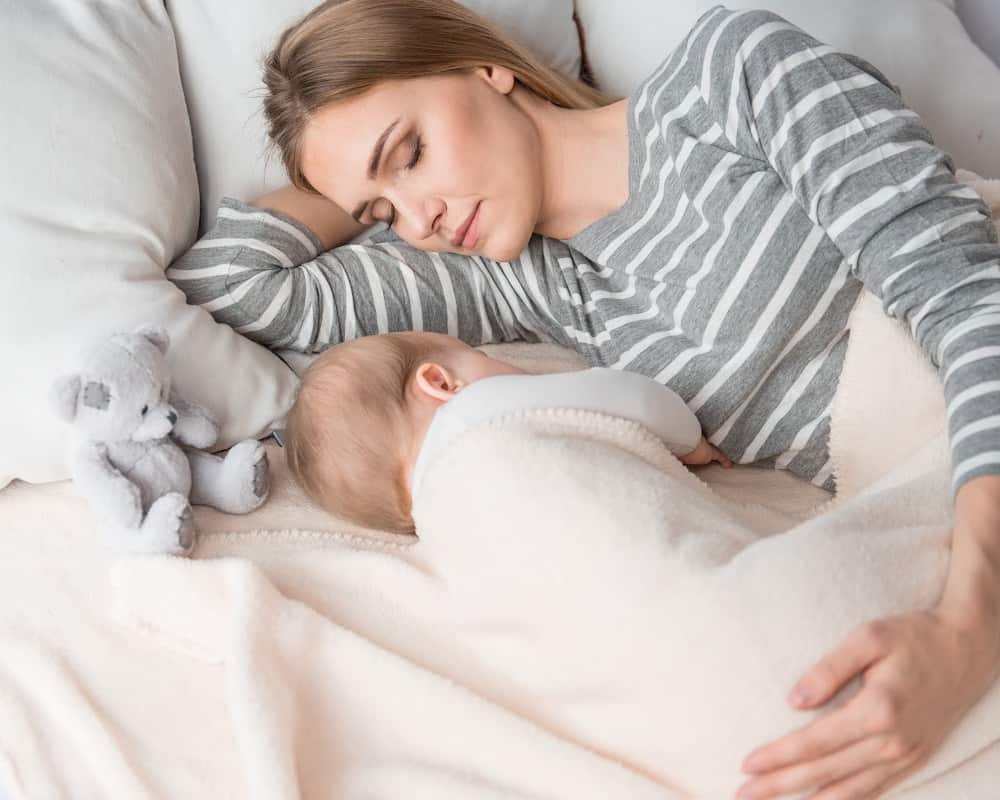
(144, 410)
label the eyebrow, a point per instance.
(373, 165)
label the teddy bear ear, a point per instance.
(157, 334)
(63, 396)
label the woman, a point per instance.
(712, 230)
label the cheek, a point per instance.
(487, 145)
(485, 148)
(459, 154)
(518, 191)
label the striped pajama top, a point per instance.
(771, 179)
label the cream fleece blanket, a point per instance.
(651, 621)
(629, 632)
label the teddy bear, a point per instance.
(988, 189)
(138, 458)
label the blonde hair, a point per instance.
(343, 48)
(345, 430)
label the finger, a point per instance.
(858, 652)
(718, 455)
(819, 738)
(864, 785)
(818, 772)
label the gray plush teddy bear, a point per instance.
(127, 462)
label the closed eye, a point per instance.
(418, 151)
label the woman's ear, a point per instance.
(500, 78)
(435, 381)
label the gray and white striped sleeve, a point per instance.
(864, 168)
(264, 274)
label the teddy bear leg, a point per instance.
(236, 484)
(167, 528)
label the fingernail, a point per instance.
(799, 697)
(745, 794)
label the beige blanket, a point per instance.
(637, 597)
(299, 657)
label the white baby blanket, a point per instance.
(611, 391)
(651, 621)
(585, 619)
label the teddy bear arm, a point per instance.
(987, 188)
(195, 426)
(106, 489)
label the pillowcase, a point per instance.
(222, 47)
(98, 193)
(920, 45)
(982, 20)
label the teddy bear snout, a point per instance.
(157, 422)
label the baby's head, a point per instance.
(360, 418)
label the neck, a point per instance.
(585, 163)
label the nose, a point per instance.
(172, 417)
(420, 213)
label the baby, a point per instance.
(369, 410)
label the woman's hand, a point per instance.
(329, 222)
(705, 453)
(922, 672)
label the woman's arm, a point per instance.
(972, 591)
(265, 273)
(329, 223)
(863, 167)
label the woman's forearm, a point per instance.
(972, 590)
(329, 223)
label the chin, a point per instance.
(506, 250)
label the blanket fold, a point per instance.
(321, 711)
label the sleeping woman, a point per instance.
(712, 230)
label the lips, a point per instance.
(461, 232)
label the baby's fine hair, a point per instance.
(344, 432)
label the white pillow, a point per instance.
(222, 46)
(920, 45)
(98, 193)
(982, 20)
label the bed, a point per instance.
(106, 693)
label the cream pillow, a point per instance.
(222, 46)
(98, 193)
(921, 46)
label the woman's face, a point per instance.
(457, 143)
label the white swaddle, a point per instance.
(609, 391)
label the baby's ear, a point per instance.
(435, 381)
(63, 396)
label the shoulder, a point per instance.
(731, 32)
(718, 33)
